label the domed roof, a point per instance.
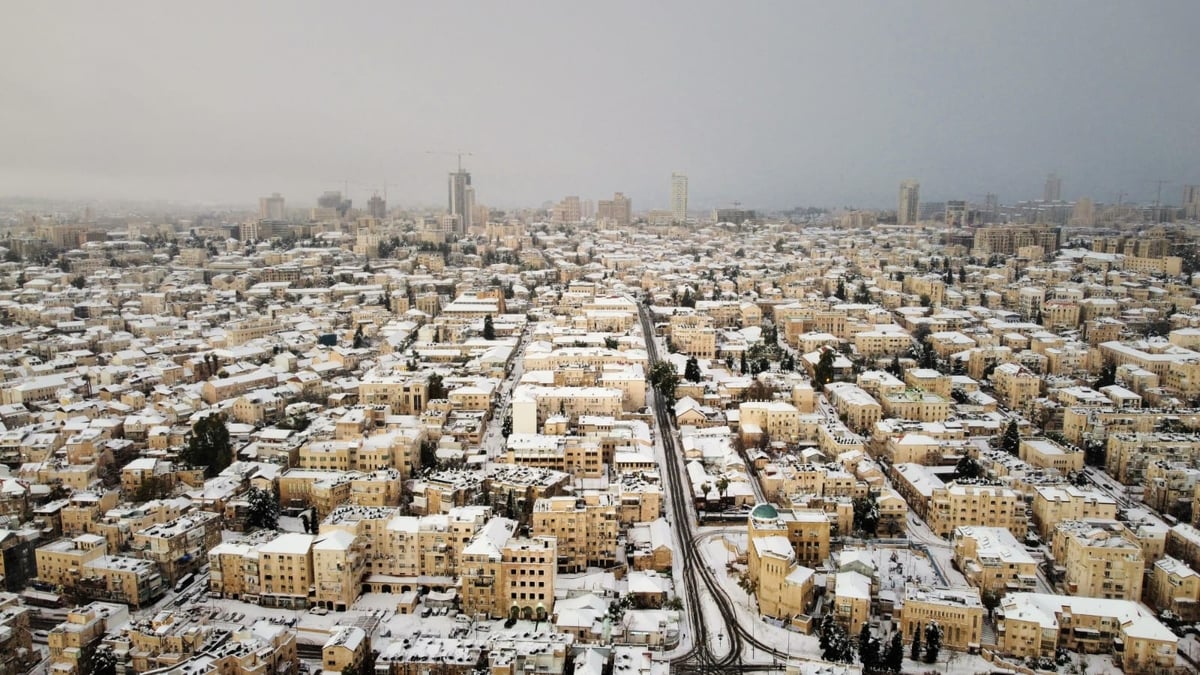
(764, 512)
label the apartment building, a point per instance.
(573, 455)
(131, 581)
(857, 408)
(285, 571)
(179, 546)
(780, 421)
(1038, 624)
(346, 649)
(993, 561)
(1015, 385)
(73, 642)
(694, 335)
(783, 588)
(1046, 454)
(1098, 559)
(506, 575)
(1129, 454)
(532, 405)
(959, 504)
(17, 654)
(1053, 504)
(585, 529)
(61, 562)
(1174, 587)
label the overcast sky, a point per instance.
(774, 104)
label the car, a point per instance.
(41, 636)
(425, 611)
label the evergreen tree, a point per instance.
(868, 648)
(744, 369)
(823, 373)
(359, 340)
(1011, 443)
(664, 379)
(915, 652)
(840, 292)
(489, 330)
(894, 661)
(209, 445)
(962, 275)
(691, 371)
(1108, 375)
(967, 467)
(866, 515)
(263, 511)
(933, 641)
(434, 389)
(895, 368)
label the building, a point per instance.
(461, 199)
(1053, 189)
(1055, 503)
(377, 207)
(585, 529)
(179, 546)
(993, 561)
(959, 504)
(506, 575)
(339, 565)
(619, 210)
(285, 571)
(346, 649)
(807, 530)
(910, 200)
(1191, 201)
(1098, 559)
(783, 588)
(1038, 624)
(271, 208)
(679, 197)
(74, 641)
(958, 611)
(1174, 587)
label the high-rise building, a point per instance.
(1053, 191)
(618, 209)
(332, 199)
(567, 212)
(991, 208)
(1191, 201)
(271, 208)
(910, 200)
(376, 207)
(462, 198)
(679, 197)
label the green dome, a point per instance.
(764, 512)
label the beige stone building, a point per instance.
(1174, 587)
(914, 404)
(959, 612)
(584, 527)
(993, 561)
(1053, 504)
(285, 571)
(61, 562)
(783, 588)
(956, 505)
(1037, 624)
(779, 420)
(339, 565)
(808, 531)
(1098, 559)
(506, 575)
(346, 649)
(1015, 385)
(1046, 454)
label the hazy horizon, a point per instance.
(771, 104)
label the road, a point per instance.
(699, 580)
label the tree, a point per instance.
(664, 379)
(915, 652)
(151, 488)
(489, 330)
(104, 661)
(506, 427)
(722, 487)
(990, 600)
(837, 644)
(691, 371)
(743, 367)
(894, 660)
(359, 340)
(840, 292)
(967, 467)
(868, 648)
(434, 389)
(823, 373)
(429, 455)
(1108, 375)
(962, 275)
(688, 299)
(610, 342)
(866, 515)
(1011, 443)
(933, 641)
(263, 510)
(209, 445)
(78, 281)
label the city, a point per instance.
(633, 349)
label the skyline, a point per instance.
(141, 102)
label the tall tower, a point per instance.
(377, 207)
(462, 197)
(1191, 201)
(679, 197)
(1053, 191)
(910, 200)
(271, 208)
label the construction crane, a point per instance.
(457, 153)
